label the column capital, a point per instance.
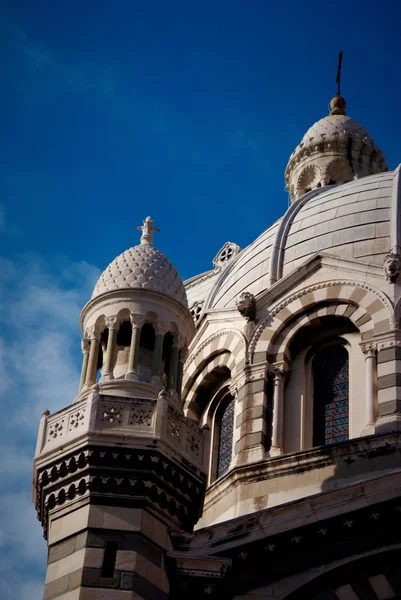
(179, 340)
(279, 370)
(137, 320)
(85, 345)
(93, 332)
(112, 322)
(369, 349)
(183, 354)
(161, 328)
(233, 389)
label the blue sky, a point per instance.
(187, 111)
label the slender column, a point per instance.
(370, 352)
(137, 322)
(112, 324)
(173, 369)
(180, 371)
(94, 336)
(85, 345)
(279, 371)
(161, 329)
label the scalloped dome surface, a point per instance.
(340, 126)
(142, 267)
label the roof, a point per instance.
(349, 221)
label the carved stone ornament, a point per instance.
(392, 267)
(85, 345)
(369, 349)
(137, 320)
(93, 332)
(196, 310)
(280, 371)
(112, 322)
(225, 255)
(245, 304)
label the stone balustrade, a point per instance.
(132, 418)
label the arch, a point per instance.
(207, 376)
(370, 302)
(281, 341)
(338, 171)
(226, 340)
(308, 179)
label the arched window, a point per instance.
(331, 395)
(225, 424)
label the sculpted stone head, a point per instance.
(245, 304)
(392, 267)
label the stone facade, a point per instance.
(216, 448)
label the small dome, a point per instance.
(143, 267)
(334, 127)
(335, 150)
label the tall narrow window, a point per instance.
(109, 559)
(331, 395)
(226, 418)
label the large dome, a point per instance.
(351, 221)
(142, 267)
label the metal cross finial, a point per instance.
(338, 78)
(147, 231)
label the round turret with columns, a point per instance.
(137, 325)
(335, 150)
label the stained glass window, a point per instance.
(331, 395)
(225, 438)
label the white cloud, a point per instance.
(39, 368)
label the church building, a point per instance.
(237, 436)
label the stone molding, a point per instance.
(291, 298)
(277, 252)
(121, 477)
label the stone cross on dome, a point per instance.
(147, 231)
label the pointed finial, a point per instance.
(147, 231)
(338, 103)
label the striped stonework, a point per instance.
(226, 341)
(218, 369)
(251, 435)
(373, 314)
(389, 379)
(76, 563)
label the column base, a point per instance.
(156, 381)
(369, 430)
(388, 423)
(106, 377)
(275, 451)
(132, 376)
